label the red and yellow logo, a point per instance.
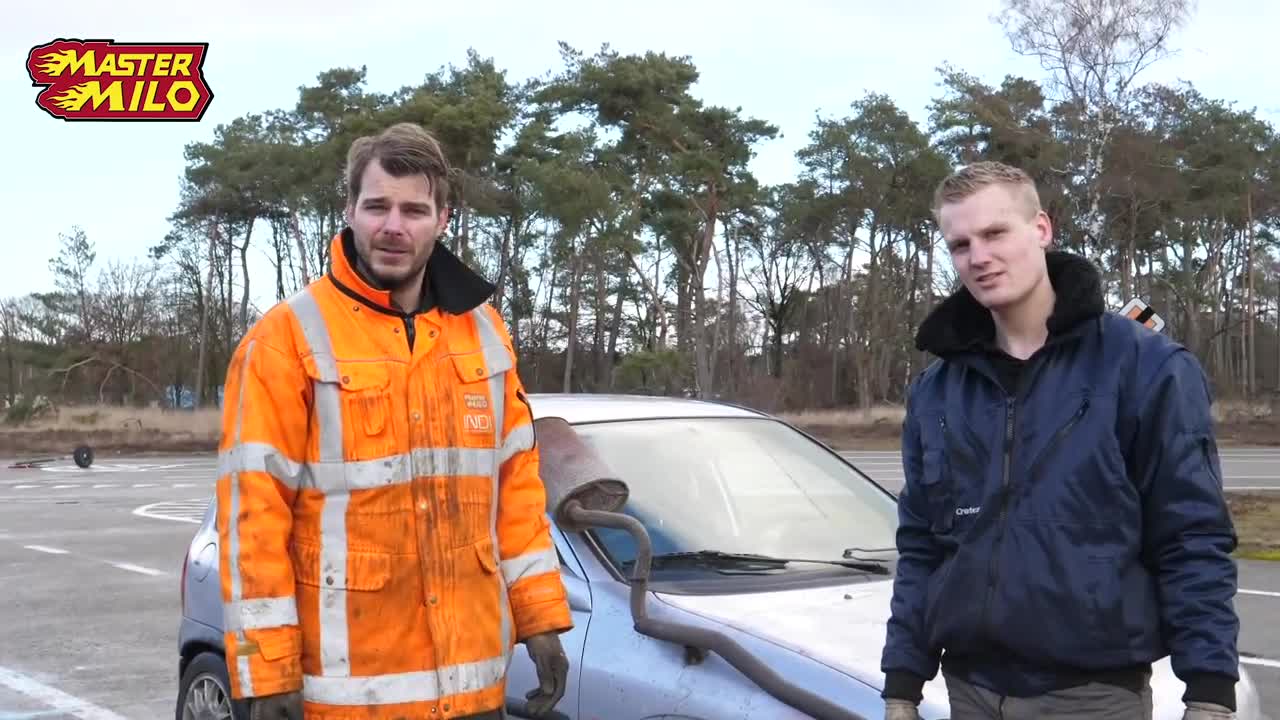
(106, 80)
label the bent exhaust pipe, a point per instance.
(701, 638)
(583, 493)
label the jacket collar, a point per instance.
(449, 284)
(959, 323)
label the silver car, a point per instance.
(744, 572)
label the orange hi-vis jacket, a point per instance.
(384, 542)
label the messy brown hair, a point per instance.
(980, 175)
(402, 149)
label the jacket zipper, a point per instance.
(1058, 436)
(1010, 423)
(409, 330)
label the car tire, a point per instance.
(204, 693)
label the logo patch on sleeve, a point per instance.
(476, 401)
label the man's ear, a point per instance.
(1045, 226)
(348, 212)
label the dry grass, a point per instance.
(113, 429)
(103, 417)
(847, 417)
(1257, 521)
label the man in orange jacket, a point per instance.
(382, 522)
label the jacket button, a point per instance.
(479, 371)
(346, 380)
(417, 415)
(329, 579)
(431, 333)
(433, 602)
(446, 707)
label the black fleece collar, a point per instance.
(449, 283)
(959, 324)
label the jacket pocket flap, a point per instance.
(365, 570)
(482, 364)
(484, 553)
(355, 376)
(278, 645)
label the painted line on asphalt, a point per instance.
(55, 698)
(149, 511)
(47, 549)
(1264, 662)
(137, 569)
(1264, 593)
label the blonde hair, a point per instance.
(402, 149)
(980, 175)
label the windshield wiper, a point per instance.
(750, 562)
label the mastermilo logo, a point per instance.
(106, 80)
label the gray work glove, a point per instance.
(553, 673)
(895, 709)
(285, 706)
(1207, 711)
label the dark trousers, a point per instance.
(1094, 701)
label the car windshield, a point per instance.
(748, 485)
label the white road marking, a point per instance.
(142, 485)
(46, 549)
(57, 699)
(63, 487)
(137, 568)
(1264, 662)
(1265, 593)
(24, 487)
(190, 511)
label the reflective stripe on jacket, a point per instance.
(382, 522)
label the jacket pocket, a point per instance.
(477, 394)
(1105, 600)
(362, 570)
(478, 600)
(936, 477)
(368, 417)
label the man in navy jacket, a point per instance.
(1063, 524)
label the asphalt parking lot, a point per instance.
(91, 559)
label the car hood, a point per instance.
(841, 626)
(844, 627)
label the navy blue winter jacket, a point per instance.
(1073, 528)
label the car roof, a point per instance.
(578, 408)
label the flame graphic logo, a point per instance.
(55, 63)
(73, 97)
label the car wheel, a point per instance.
(205, 691)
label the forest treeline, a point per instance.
(634, 250)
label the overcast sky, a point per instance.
(780, 61)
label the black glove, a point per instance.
(553, 673)
(285, 706)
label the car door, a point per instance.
(521, 675)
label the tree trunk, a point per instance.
(615, 330)
(601, 310)
(203, 306)
(572, 340)
(1250, 350)
(302, 247)
(244, 292)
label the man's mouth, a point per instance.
(988, 278)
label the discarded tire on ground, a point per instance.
(83, 456)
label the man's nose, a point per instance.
(394, 222)
(979, 253)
